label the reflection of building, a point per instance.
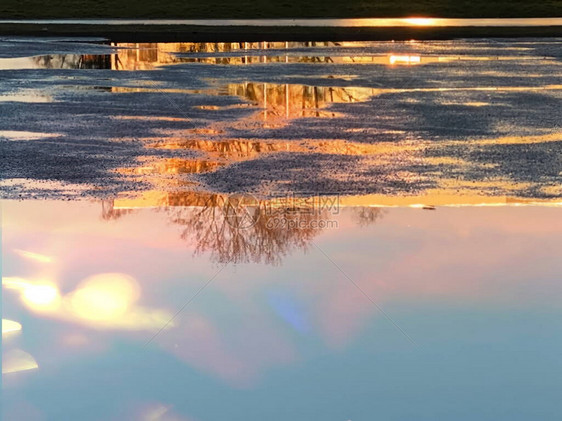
(278, 100)
(223, 141)
(146, 56)
(143, 56)
(149, 55)
(293, 101)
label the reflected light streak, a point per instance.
(10, 326)
(25, 135)
(33, 256)
(16, 360)
(404, 59)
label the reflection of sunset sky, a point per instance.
(246, 321)
(259, 329)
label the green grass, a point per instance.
(194, 9)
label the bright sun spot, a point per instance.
(105, 296)
(404, 59)
(420, 21)
(41, 297)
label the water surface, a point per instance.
(281, 231)
(113, 311)
(451, 122)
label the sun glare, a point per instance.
(421, 21)
(41, 297)
(104, 297)
(404, 59)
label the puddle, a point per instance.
(278, 224)
(285, 293)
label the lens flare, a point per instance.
(17, 360)
(104, 297)
(9, 326)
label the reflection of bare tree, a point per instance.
(295, 101)
(367, 215)
(248, 230)
(242, 229)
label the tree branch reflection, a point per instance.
(246, 230)
(242, 229)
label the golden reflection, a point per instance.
(451, 197)
(222, 151)
(236, 150)
(218, 143)
(289, 101)
(148, 56)
(276, 105)
(420, 21)
(173, 166)
(521, 140)
(10, 326)
(404, 59)
(16, 360)
(552, 190)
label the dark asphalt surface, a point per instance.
(484, 114)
